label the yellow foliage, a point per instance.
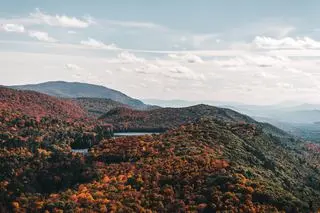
(39, 204)
(15, 205)
(106, 179)
(83, 188)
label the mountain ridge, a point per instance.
(162, 119)
(64, 89)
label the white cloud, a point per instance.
(127, 57)
(232, 62)
(147, 68)
(108, 72)
(72, 67)
(265, 75)
(98, 44)
(18, 28)
(41, 36)
(288, 78)
(285, 85)
(181, 72)
(189, 58)
(199, 41)
(136, 24)
(252, 60)
(72, 32)
(61, 20)
(124, 69)
(263, 42)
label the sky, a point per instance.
(253, 52)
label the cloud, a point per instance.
(18, 28)
(127, 57)
(262, 42)
(72, 32)
(231, 62)
(108, 72)
(136, 24)
(189, 58)
(253, 60)
(61, 20)
(147, 68)
(265, 75)
(98, 44)
(285, 85)
(41, 36)
(124, 69)
(181, 72)
(199, 41)
(72, 67)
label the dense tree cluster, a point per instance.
(38, 105)
(131, 174)
(36, 155)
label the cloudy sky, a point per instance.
(256, 52)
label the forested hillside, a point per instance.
(209, 159)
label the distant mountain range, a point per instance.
(78, 90)
(301, 120)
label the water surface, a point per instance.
(82, 151)
(121, 134)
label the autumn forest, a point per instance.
(205, 159)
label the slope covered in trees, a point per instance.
(158, 120)
(38, 105)
(166, 118)
(206, 166)
(96, 107)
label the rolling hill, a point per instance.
(76, 90)
(96, 107)
(166, 118)
(162, 119)
(39, 105)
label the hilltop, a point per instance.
(79, 90)
(96, 107)
(39, 105)
(166, 118)
(162, 119)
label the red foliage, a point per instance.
(313, 147)
(38, 105)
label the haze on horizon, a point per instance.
(249, 52)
